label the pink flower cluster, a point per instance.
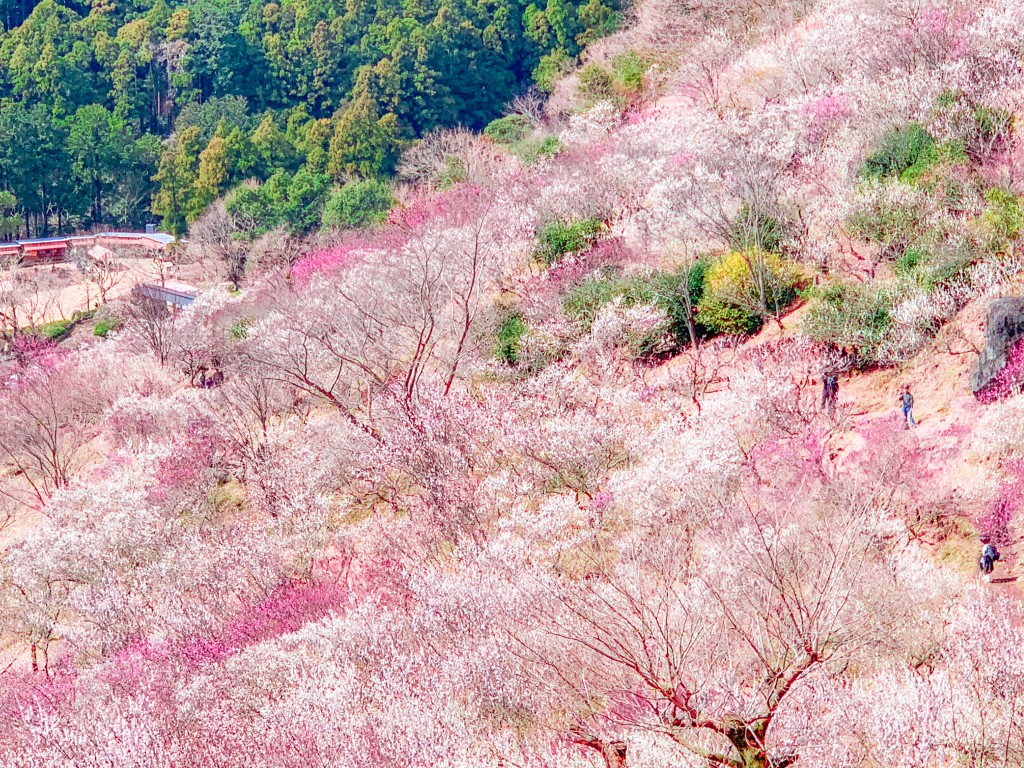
(994, 524)
(28, 347)
(602, 500)
(284, 610)
(325, 262)
(193, 455)
(824, 114)
(1008, 381)
(456, 205)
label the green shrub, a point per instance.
(904, 152)
(943, 271)
(550, 146)
(559, 238)
(598, 20)
(105, 325)
(892, 216)
(295, 202)
(1002, 221)
(529, 150)
(669, 292)
(508, 130)
(935, 260)
(910, 260)
(583, 302)
(510, 336)
(621, 83)
(628, 70)
(55, 330)
(664, 290)
(358, 204)
(240, 330)
(946, 260)
(978, 128)
(992, 124)
(756, 228)
(745, 288)
(948, 99)
(953, 152)
(857, 318)
(454, 172)
(596, 83)
(551, 67)
(716, 316)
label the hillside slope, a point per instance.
(536, 472)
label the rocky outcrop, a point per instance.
(1004, 327)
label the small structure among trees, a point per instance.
(49, 249)
(174, 295)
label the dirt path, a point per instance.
(959, 471)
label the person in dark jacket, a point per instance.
(829, 393)
(907, 402)
(987, 561)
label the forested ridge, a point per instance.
(114, 114)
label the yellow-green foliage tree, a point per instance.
(744, 289)
(212, 178)
(177, 178)
(364, 142)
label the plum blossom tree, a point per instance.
(99, 268)
(49, 420)
(151, 324)
(389, 322)
(671, 636)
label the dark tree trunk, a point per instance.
(612, 752)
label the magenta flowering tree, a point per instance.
(824, 114)
(996, 522)
(328, 261)
(1009, 379)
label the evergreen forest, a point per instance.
(118, 113)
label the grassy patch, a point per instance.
(54, 331)
(559, 238)
(105, 325)
(907, 149)
(510, 336)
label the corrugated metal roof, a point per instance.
(42, 240)
(160, 237)
(157, 237)
(176, 296)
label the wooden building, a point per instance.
(45, 250)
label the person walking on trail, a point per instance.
(987, 561)
(907, 401)
(829, 393)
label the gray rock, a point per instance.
(1004, 327)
